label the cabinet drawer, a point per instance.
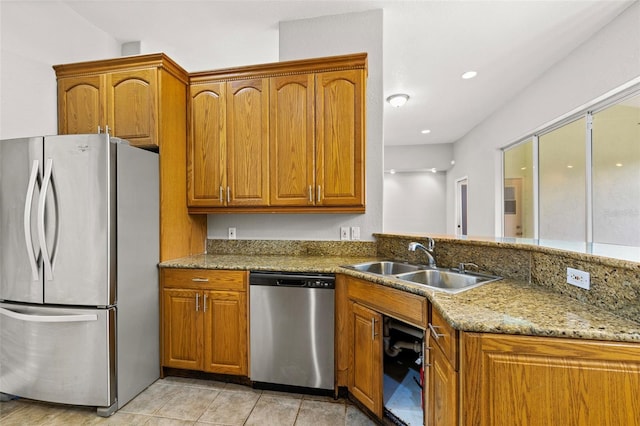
(444, 336)
(212, 279)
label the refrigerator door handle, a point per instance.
(46, 256)
(48, 318)
(33, 257)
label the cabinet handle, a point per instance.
(319, 194)
(204, 305)
(373, 329)
(99, 129)
(310, 194)
(200, 280)
(197, 302)
(434, 333)
(106, 129)
(228, 195)
(220, 195)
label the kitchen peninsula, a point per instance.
(506, 335)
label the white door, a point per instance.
(461, 206)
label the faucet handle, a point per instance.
(462, 267)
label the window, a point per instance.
(562, 180)
(616, 173)
(579, 180)
(518, 191)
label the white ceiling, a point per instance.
(427, 46)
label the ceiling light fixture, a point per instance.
(618, 164)
(392, 171)
(425, 131)
(469, 74)
(433, 170)
(398, 99)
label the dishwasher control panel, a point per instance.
(293, 279)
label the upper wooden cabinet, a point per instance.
(142, 99)
(292, 139)
(340, 101)
(120, 96)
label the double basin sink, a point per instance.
(441, 279)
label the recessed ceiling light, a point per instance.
(523, 168)
(392, 171)
(469, 74)
(569, 166)
(398, 99)
(433, 170)
(618, 164)
(425, 131)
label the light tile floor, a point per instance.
(179, 401)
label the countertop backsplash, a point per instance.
(614, 287)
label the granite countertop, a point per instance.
(506, 306)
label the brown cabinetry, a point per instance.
(142, 99)
(441, 375)
(204, 320)
(276, 156)
(522, 380)
(365, 374)
(360, 307)
(122, 103)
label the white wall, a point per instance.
(33, 37)
(316, 37)
(606, 61)
(418, 157)
(414, 202)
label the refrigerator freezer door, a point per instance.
(60, 355)
(79, 254)
(20, 180)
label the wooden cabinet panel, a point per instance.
(182, 329)
(442, 392)
(292, 140)
(340, 97)
(519, 380)
(444, 336)
(132, 104)
(276, 158)
(248, 142)
(206, 177)
(204, 320)
(81, 104)
(407, 307)
(365, 374)
(225, 331)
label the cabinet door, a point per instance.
(225, 332)
(365, 373)
(81, 104)
(291, 122)
(340, 97)
(248, 142)
(521, 380)
(206, 156)
(132, 106)
(442, 393)
(182, 329)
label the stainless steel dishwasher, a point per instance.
(292, 329)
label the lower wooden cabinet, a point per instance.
(366, 372)
(441, 372)
(204, 320)
(522, 380)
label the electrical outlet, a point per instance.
(344, 233)
(232, 233)
(578, 278)
(355, 233)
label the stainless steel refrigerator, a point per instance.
(79, 243)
